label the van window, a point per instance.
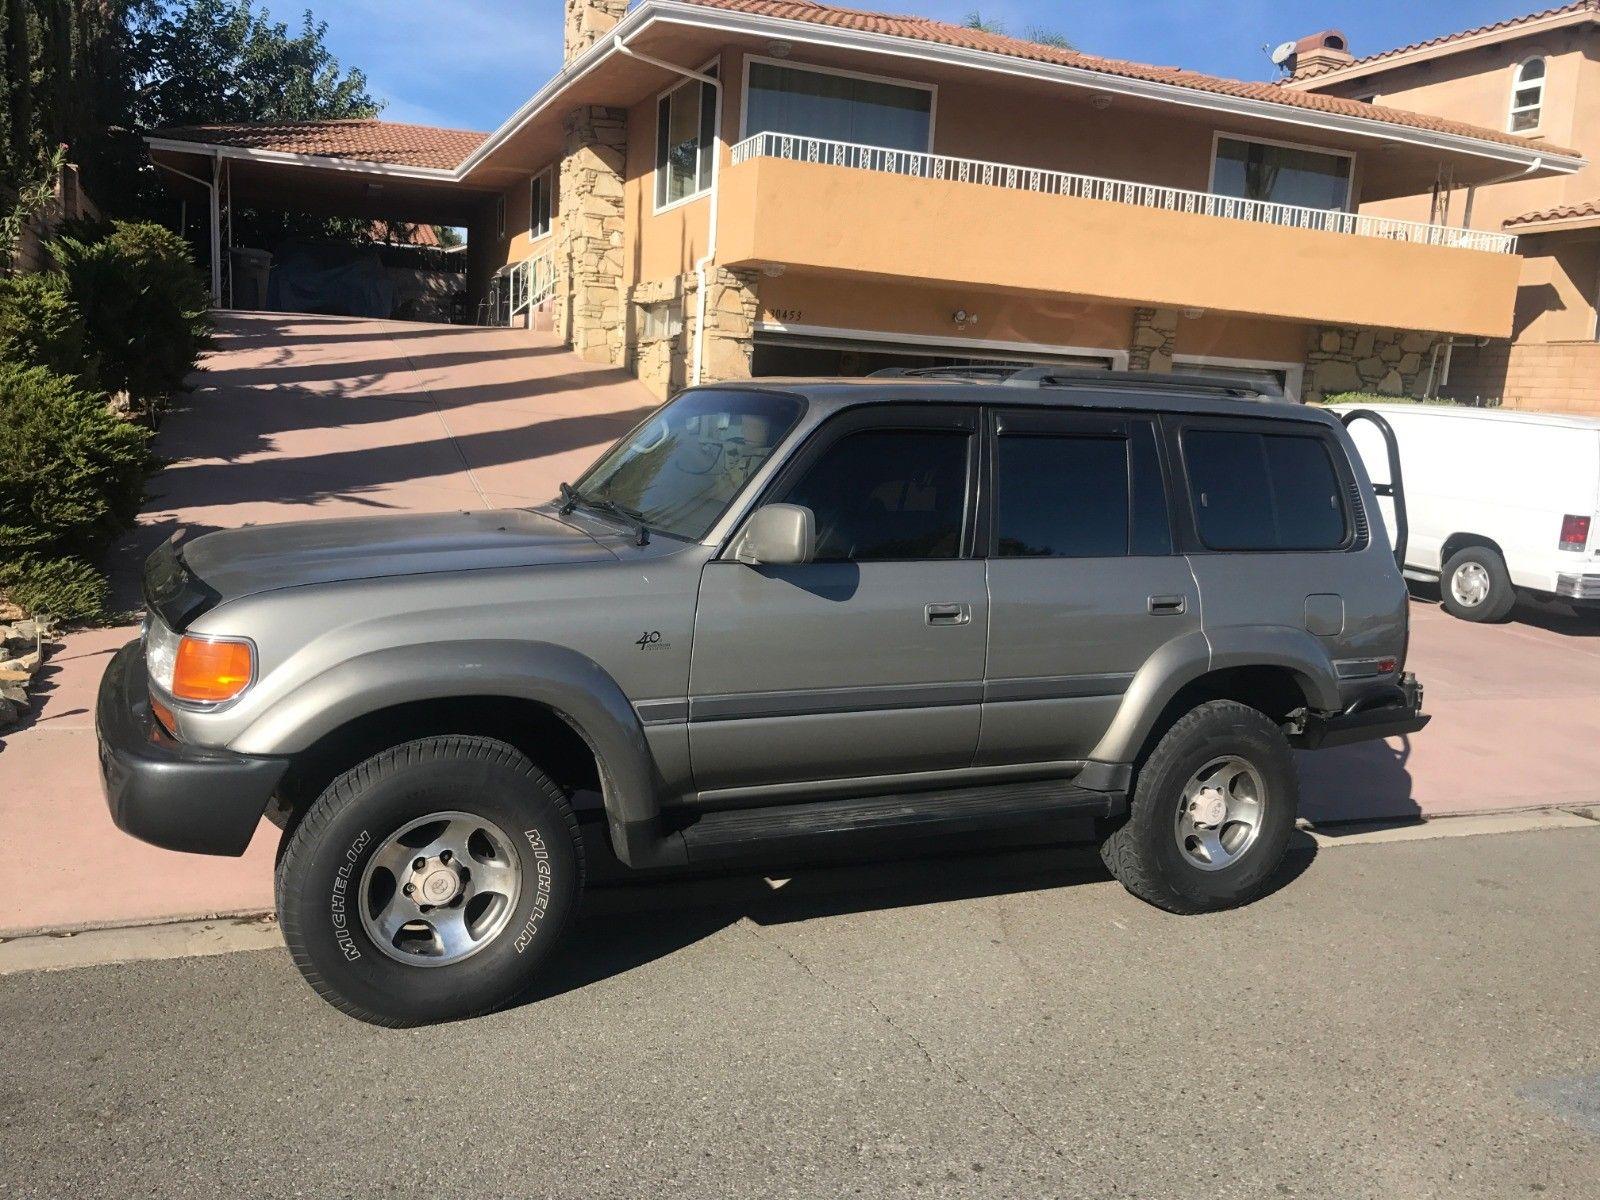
(1257, 491)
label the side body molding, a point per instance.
(572, 685)
(1183, 660)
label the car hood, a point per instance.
(239, 562)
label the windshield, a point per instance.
(680, 469)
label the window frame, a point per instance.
(907, 417)
(790, 64)
(1186, 530)
(1050, 422)
(1217, 136)
(548, 175)
(713, 65)
(1537, 107)
(500, 216)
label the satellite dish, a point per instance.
(1282, 53)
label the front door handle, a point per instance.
(1167, 606)
(947, 614)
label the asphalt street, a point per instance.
(1413, 1019)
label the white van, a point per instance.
(1497, 500)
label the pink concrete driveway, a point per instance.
(297, 417)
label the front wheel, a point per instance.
(1211, 814)
(430, 882)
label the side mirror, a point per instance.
(778, 535)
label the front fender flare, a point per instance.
(572, 685)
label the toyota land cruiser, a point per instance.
(774, 617)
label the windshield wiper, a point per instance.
(571, 497)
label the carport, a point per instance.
(377, 170)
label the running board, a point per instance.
(747, 832)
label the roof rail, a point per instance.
(976, 371)
(1230, 385)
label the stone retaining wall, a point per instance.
(1392, 362)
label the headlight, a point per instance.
(197, 669)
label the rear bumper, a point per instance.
(1582, 588)
(1394, 710)
(167, 793)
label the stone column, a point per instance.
(587, 22)
(589, 256)
(1155, 332)
(731, 311)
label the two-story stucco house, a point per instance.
(1537, 76)
(715, 189)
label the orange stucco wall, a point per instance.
(870, 224)
(1561, 278)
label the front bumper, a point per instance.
(1394, 710)
(162, 791)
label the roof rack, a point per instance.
(996, 371)
(1229, 385)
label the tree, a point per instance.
(1045, 37)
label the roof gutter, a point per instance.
(1472, 192)
(619, 44)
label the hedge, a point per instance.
(40, 326)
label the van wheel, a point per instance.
(1476, 586)
(431, 882)
(1211, 812)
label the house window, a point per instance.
(1527, 96)
(686, 138)
(1281, 173)
(500, 217)
(539, 205)
(837, 106)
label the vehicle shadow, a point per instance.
(623, 926)
(1367, 782)
(1552, 615)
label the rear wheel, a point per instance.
(1476, 586)
(1211, 814)
(430, 882)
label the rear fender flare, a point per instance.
(573, 686)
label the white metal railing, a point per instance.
(517, 288)
(1116, 191)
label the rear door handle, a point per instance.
(947, 614)
(1168, 606)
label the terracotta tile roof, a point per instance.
(1444, 39)
(368, 140)
(405, 235)
(1564, 212)
(943, 33)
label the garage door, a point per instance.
(780, 353)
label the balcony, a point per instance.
(869, 211)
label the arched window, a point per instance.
(1527, 96)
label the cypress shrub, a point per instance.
(40, 326)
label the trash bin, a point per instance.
(251, 269)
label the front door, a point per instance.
(869, 660)
(1083, 582)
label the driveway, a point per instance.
(298, 417)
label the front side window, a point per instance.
(539, 206)
(888, 494)
(1079, 496)
(1281, 174)
(837, 107)
(1527, 96)
(680, 469)
(1255, 491)
(686, 120)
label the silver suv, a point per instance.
(774, 618)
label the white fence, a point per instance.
(518, 288)
(1116, 191)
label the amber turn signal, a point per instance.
(209, 670)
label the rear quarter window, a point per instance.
(1264, 491)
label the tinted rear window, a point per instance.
(1259, 491)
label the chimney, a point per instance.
(587, 22)
(1319, 54)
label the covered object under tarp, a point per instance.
(346, 281)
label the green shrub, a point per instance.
(40, 326)
(71, 471)
(143, 304)
(1378, 398)
(68, 589)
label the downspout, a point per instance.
(211, 189)
(710, 255)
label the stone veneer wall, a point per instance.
(661, 361)
(589, 257)
(587, 21)
(1390, 362)
(1155, 333)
